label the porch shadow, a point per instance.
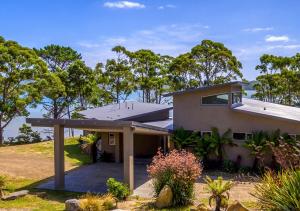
(92, 178)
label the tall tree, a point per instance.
(279, 80)
(215, 64)
(181, 73)
(118, 78)
(82, 86)
(58, 59)
(145, 64)
(23, 75)
(161, 82)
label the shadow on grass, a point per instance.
(46, 194)
(73, 152)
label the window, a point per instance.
(239, 136)
(111, 139)
(206, 133)
(236, 98)
(292, 136)
(221, 99)
(249, 136)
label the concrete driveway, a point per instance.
(92, 178)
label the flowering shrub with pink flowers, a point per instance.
(179, 170)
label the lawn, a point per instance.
(37, 158)
(73, 154)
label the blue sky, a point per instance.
(93, 27)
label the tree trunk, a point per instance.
(1, 135)
(71, 130)
(255, 163)
(218, 203)
(220, 156)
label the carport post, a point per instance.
(165, 143)
(128, 157)
(59, 159)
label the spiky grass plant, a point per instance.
(279, 191)
(220, 192)
(91, 202)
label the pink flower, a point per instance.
(182, 165)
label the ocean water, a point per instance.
(12, 130)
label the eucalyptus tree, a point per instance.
(145, 64)
(215, 64)
(82, 85)
(181, 73)
(279, 79)
(23, 77)
(58, 59)
(118, 78)
(162, 82)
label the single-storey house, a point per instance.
(132, 130)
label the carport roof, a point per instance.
(98, 125)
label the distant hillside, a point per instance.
(250, 85)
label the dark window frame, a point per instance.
(240, 95)
(240, 139)
(203, 133)
(215, 95)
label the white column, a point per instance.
(128, 157)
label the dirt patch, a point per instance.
(16, 163)
(240, 191)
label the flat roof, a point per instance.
(269, 109)
(98, 125)
(204, 88)
(124, 111)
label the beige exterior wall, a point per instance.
(145, 146)
(191, 115)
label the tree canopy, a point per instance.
(279, 79)
(22, 78)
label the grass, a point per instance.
(48, 200)
(73, 153)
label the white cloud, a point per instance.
(166, 39)
(291, 47)
(124, 4)
(258, 29)
(168, 6)
(272, 38)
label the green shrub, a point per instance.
(229, 166)
(183, 138)
(279, 191)
(219, 190)
(89, 138)
(179, 170)
(119, 190)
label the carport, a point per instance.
(128, 128)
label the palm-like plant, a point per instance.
(183, 138)
(257, 145)
(202, 147)
(220, 192)
(218, 141)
